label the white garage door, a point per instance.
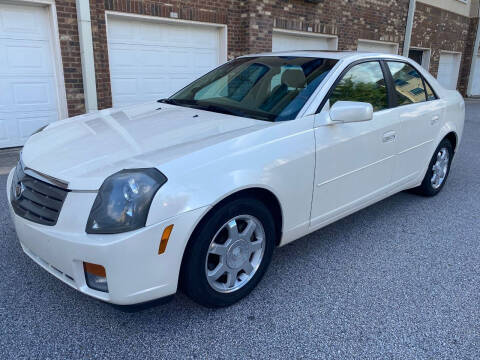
(448, 69)
(282, 41)
(152, 60)
(28, 91)
(377, 47)
(476, 78)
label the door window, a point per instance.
(430, 94)
(408, 83)
(364, 83)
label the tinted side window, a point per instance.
(365, 83)
(408, 83)
(430, 94)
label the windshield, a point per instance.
(272, 88)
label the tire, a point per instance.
(429, 187)
(214, 249)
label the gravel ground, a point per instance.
(400, 279)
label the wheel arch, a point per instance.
(453, 138)
(265, 195)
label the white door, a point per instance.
(377, 47)
(448, 70)
(420, 119)
(282, 41)
(354, 160)
(28, 91)
(476, 78)
(150, 60)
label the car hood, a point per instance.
(82, 151)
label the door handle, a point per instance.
(389, 136)
(434, 120)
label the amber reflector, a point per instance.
(165, 237)
(94, 269)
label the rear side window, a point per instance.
(364, 83)
(408, 83)
(430, 94)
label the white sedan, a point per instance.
(195, 191)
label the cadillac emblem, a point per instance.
(19, 189)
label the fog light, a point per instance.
(95, 276)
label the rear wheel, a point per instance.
(229, 253)
(438, 170)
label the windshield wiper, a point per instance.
(168, 101)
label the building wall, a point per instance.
(439, 29)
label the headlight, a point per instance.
(123, 201)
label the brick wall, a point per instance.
(350, 20)
(70, 48)
(438, 30)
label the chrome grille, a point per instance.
(36, 200)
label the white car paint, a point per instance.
(318, 171)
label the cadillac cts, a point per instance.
(195, 191)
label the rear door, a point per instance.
(419, 112)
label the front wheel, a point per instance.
(229, 253)
(438, 170)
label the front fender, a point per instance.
(280, 159)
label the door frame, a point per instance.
(306, 34)
(61, 95)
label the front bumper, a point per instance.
(135, 271)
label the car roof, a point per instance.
(329, 54)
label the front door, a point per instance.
(354, 161)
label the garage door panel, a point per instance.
(154, 88)
(157, 59)
(291, 42)
(23, 22)
(3, 128)
(27, 73)
(34, 95)
(377, 47)
(476, 78)
(28, 57)
(28, 122)
(448, 70)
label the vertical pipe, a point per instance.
(86, 55)
(408, 29)
(474, 58)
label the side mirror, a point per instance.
(351, 111)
